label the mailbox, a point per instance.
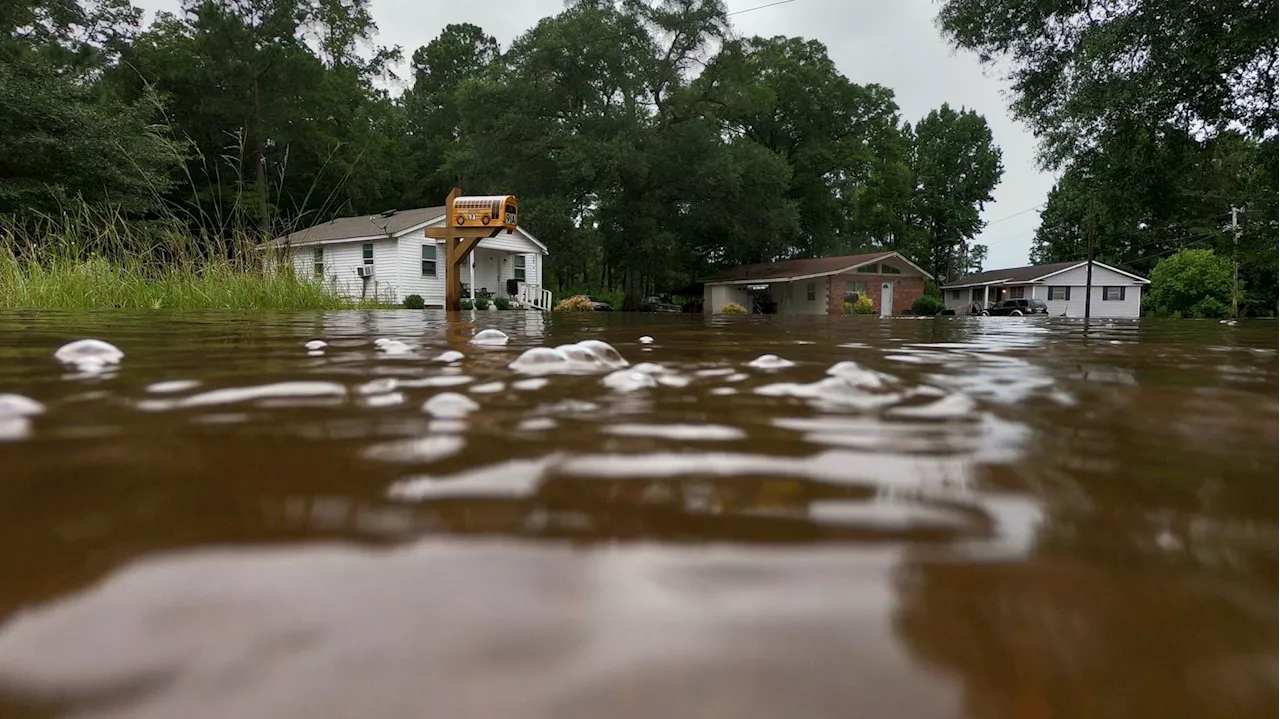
(494, 211)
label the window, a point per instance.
(890, 270)
(429, 260)
(317, 261)
(1060, 293)
(811, 291)
(1017, 292)
(519, 268)
(955, 294)
(854, 287)
(868, 269)
(367, 250)
(1113, 293)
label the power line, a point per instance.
(758, 7)
(1016, 214)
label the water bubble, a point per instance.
(392, 347)
(450, 356)
(582, 357)
(488, 388)
(646, 340)
(388, 399)
(447, 405)
(490, 337)
(603, 350)
(578, 353)
(538, 360)
(15, 405)
(770, 362)
(379, 386)
(89, 355)
(171, 386)
(858, 376)
(529, 385)
(316, 345)
(628, 380)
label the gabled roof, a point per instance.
(1029, 274)
(363, 226)
(802, 269)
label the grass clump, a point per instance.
(501, 303)
(733, 308)
(97, 259)
(576, 303)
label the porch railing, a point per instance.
(535, 296)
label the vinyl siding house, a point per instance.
(819, 286)
(1061, 285)
(387, 257)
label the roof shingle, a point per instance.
(344, 228)
(793, 268)
(1013, 274)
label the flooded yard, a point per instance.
(731, 517)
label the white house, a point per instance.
(388, 257)
(1061, 285)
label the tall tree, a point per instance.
(956, 165)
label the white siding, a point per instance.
(340, 262)
(717, 296)
(412, 281)
(1130, 306)
(800, 296)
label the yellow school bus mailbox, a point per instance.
(491, 211)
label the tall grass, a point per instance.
(91, 258)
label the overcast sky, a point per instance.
(890, 42)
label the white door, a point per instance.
(886, 299)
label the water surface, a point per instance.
(951, 517)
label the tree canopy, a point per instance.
(649, 144)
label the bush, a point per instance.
(576, 303)
(466, 305)
(501, 303)
(733, 308)
(414, 302)
(860, 306)
(482, 303)
(1191, 283)
(927, 305)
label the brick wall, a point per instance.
(905, 291)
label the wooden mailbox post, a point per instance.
(467, 221)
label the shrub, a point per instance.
(414, 302)
(863, 305)
(482, 303)
(1191, 283)
(576, 303)
(846, 308)
(501, 303)
(733, 308)
(927, 305)
(466, 305)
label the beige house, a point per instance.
(818, 286)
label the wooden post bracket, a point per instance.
(458, 245)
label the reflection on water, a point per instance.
(373, 514)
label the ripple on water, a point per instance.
(686, 432)
(418, 449)
(278, 391)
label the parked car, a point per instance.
(600, 305)
(1018, 308)
(655, 304)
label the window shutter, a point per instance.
(1122, 289)
(1068, 297)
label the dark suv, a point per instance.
(1018, 308)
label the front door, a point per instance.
(886, 299)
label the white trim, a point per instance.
(440, 220)
(1143, 280)
(841, 271)
(281, 244)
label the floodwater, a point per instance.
(950, 517)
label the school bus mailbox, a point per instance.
(492, 211)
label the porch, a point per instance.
(516, 276)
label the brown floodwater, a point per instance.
(950, 517)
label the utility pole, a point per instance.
(1088, 267)
(1235, 259)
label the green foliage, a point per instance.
(414, 302)
(466, 305)
(1191, 283)
(733, 308)
(576, 303)
(846, 308)
(863, 305)
(482, 303)
(501, 303)
(927, 305)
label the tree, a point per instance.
(61, 141)
(956, 165)
(1191, 283)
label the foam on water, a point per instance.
(450, 405)
(769, 361)
(490, 337)
(89, 356)
(316, 345)
(418, 449)
(280, 390)
(15, 413)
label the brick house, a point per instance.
(818, 286)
